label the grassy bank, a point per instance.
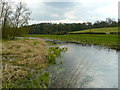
(98, 30)
(107, 40)
(24, 62)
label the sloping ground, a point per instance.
(21, 61)
(97, 30)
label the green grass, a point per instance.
(39, 82)
(108, 40)
(54, 52)
(98, 30)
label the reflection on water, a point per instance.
(86, 67)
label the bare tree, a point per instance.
(20, 17)
(12, 17)
(5, 15)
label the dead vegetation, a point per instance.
(21, 58)
(30, 52)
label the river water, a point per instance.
(85, 67)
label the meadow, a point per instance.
(98, 30)
(107, 40)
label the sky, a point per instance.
(71, 11)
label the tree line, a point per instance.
(13, 18)
(63, 28)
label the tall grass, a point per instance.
(23, 63)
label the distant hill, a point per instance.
(97, 30)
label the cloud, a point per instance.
(54, 21)
(55, 15)
(52, 11)
(72, 11)
(60, 4)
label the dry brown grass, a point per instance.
(32, 52)
(12, 73)
(26, 54)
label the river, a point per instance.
(85, 67)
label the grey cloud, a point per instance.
(50, 9)
(61, 4)
(76, 11)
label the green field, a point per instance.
(107, 40)
(98, 30)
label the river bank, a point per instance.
(22, 68)
(24, 63)
(108, 41)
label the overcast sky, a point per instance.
(69, 11)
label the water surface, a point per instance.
(86, 67)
